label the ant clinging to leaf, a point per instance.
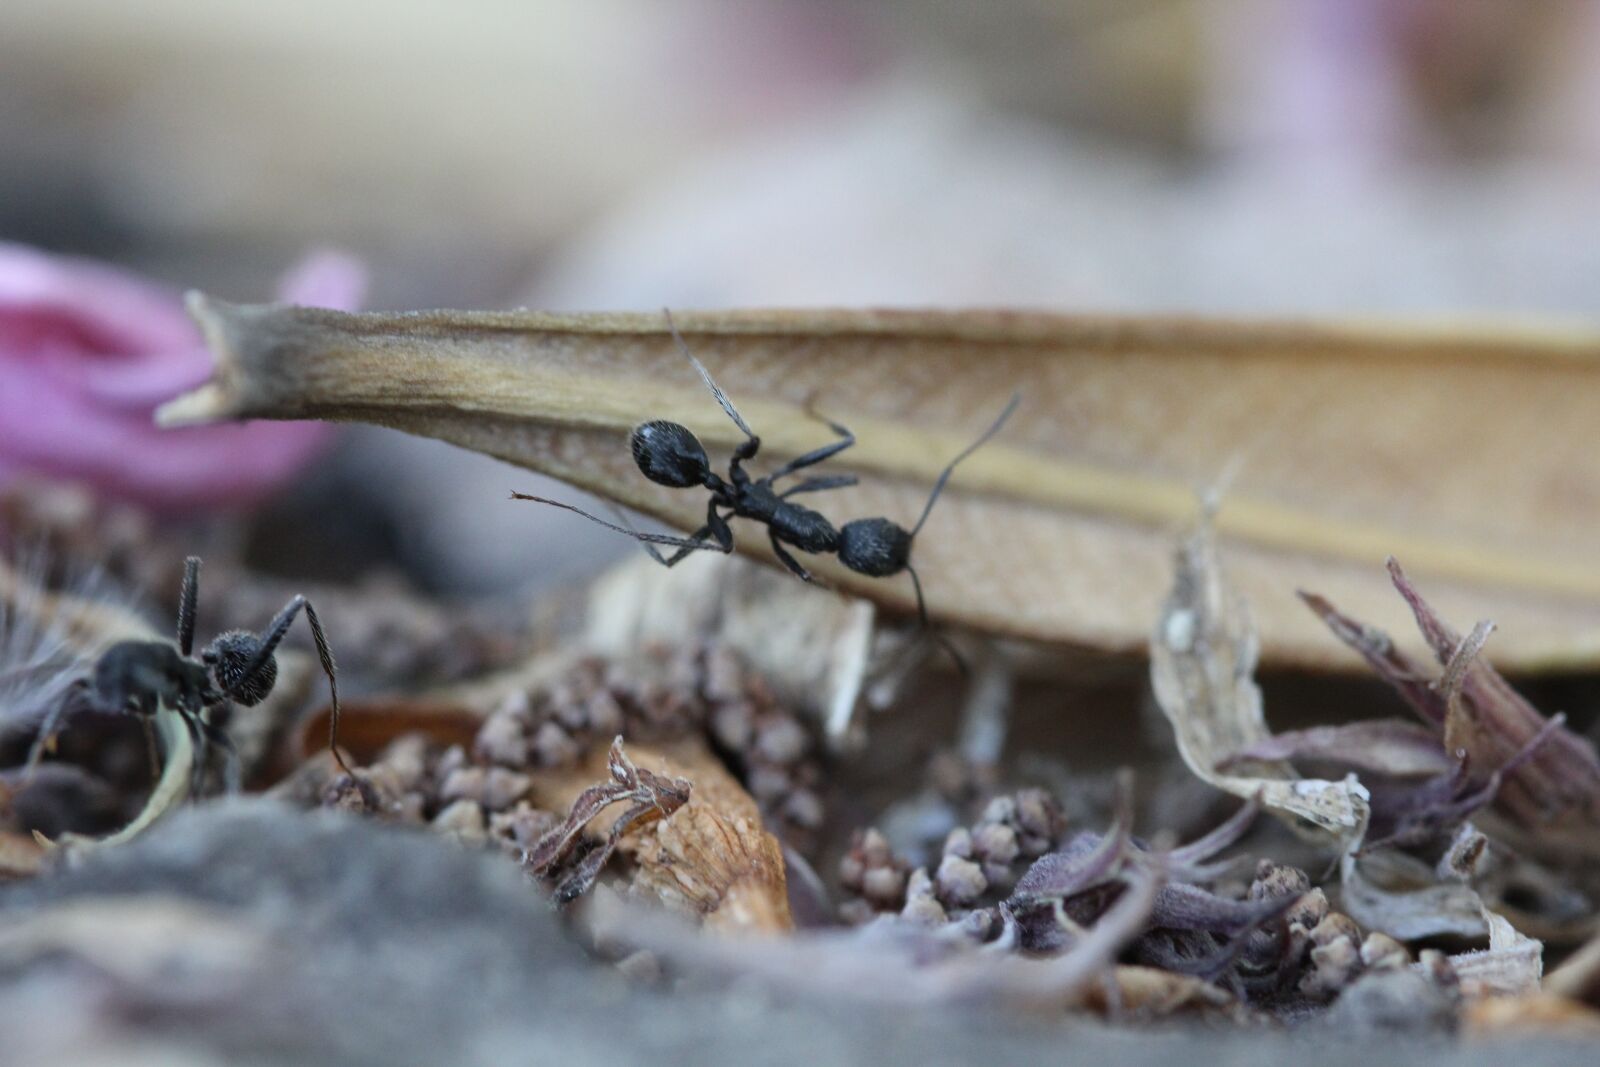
(669, 454)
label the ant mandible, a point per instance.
(142, 677)
(668, 454)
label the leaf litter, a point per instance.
(668, 779)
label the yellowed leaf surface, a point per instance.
(1469, 453)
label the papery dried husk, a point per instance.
(1202, 668)
(1340, 445)
(811, 645)
(1579, 977)
(711, 858)
(1542, 1016)
(20, 855)
(1152, 993)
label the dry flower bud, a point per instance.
(554, 747)
(875, 847)
(852, 869)
(353, 793)
(959, 843)
(960, 881)
(733, 725)
(453, 759)
(503, 788)
(1307, 912)
(463, 783)
(1382, 952)
(1277, 880)
(921, 904)
(1333, 966)
(522, 826)
(782, 740)
(501, 739)
(464, 819)
(1039, 821)
(804, 808)
(406, 760)
(996, 844)
(602, 713)
(1336, 927)
(883, 885)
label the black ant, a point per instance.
(142, 677)
(668, 454)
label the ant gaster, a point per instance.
(669, 454)
(141, 677)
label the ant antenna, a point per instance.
(938, 487)
(648, 538)
(705, 376)
(186, 604)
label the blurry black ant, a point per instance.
(668, 454)
(142, 677)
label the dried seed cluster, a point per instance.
(667, 694)
(979, 864)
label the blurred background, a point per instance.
(1275, 157)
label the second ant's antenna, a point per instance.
(938, 487)
(705, 376)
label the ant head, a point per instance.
(874, 547)
(668, 454)
(230, 656)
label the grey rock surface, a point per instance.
(245, 932)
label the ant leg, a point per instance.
(51, 726)
(186, 604)
(816, 455)
(724, 538)
(273, 635)
(231, 776)
(698, 536)
(202, 752)
(816, 485)
(787, 560)
(325, 654)
(922, 618)
(152, 751)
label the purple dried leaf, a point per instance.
(1391, 747)
(1188, 907)
(1563, 776)
(577, 883)
(652, 794)
(1378, 649)
(1477, 711)
(553, 846)
(1224, 836)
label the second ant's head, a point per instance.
(230, 656)
(874, 547)
(668, 454)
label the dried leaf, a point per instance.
(1536, 1016)
(1391, 747)
(712, 859)
(1202, 665)
(1057, 530)
(1579, 977)
(1549, 771)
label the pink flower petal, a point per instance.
(86, 355)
